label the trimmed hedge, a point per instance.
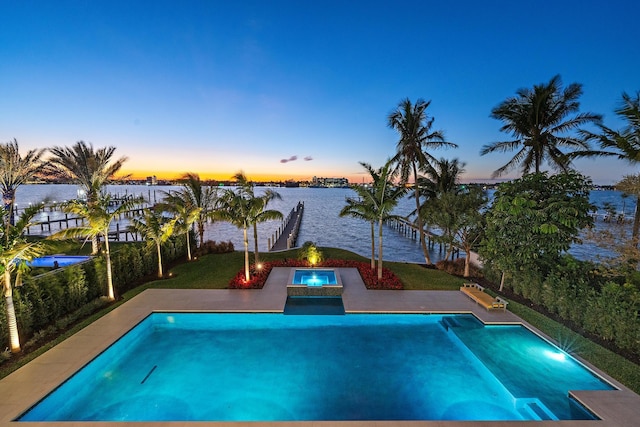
(606, 307)
(42, 301)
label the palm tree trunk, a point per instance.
(380, 250)
(12, 322)
(201, 233)
(423, 242)
(188, 247)
(107, 255)
(159, 250)
(8, 200)
(467, 262)
(636, 223)
(373, 246)
(255, 244)
(501, 282)
(246, 255)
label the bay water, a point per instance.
(321, 222)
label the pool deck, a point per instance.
(29, 384)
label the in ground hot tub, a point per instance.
(314, 282)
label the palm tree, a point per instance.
(15, 252)
(416, 137)
(623, 144)
(259, 212)
(439, 186)
(185, 213)
(200, 197)
(156, 230)
(540, 120)
(16, 170)
(243, 209)
(90, 168)
(235, 208)
(377, 202)
(356, 208)
(99, 217)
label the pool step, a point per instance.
(460, 321)
(534, 409)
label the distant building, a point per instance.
(152, 180)
(329, 182)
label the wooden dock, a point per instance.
(408, 229)
(285, 237)
(55, 220)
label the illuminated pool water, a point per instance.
(57, 260)
(314, 277)
(273, 367)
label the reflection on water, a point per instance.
(320, 223)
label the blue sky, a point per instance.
(215, 87)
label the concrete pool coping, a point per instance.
(32, 382)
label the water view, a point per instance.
(320, 224)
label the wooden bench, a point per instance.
(476, 293)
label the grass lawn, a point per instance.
(215, 271)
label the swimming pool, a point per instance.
(57, 260)
(272, 367)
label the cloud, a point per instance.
(290, 159)
(308, 158)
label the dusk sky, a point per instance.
(293, 89)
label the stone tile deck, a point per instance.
(23, 388)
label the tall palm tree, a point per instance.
(199, 197)
(185, 213)
(156, 230)
(377, 202)
(235, 208)
(259, 212)
(416, 138)
(90, 168)
(99, 216)
(16, 170)
(623, 144)
(540, 121)
(15, 252)
(242, 209)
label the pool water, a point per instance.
(274, 367)
(57, 260)
(314, 277)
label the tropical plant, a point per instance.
(15, 252)
(240, 208)
(459, 215)
(416, 137)
(310, 253)
(156, 230)
(356, 208)
(99, 216)
(623, 144)
(16, 170)
(259, 212)
(378, 201)
(540, 121)
(195, 196)
(91, 169)
(184, 211)
(533, 220)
